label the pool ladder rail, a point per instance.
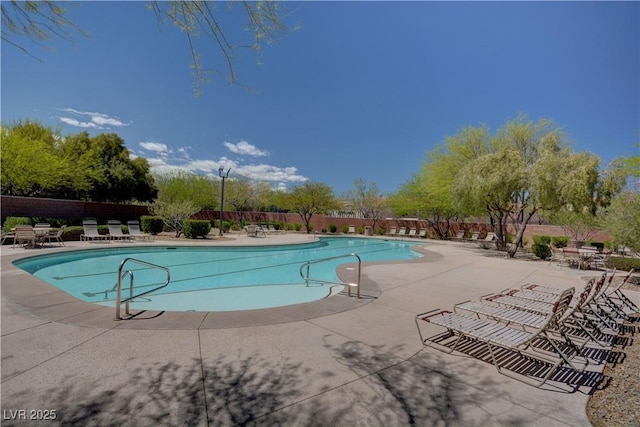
(119, 300)
(307, 266)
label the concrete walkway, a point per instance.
(344, 364)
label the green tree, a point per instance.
(180, 196)
(107, 165)
(309, 199)
(33, 163)
(622, 219)
(40, 21)
(527, 169)
(367, 200)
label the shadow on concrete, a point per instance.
(422, 390)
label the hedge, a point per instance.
(193, 228)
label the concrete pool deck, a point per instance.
(348, 363)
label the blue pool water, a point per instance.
(210, 278)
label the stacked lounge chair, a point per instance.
(548, 328)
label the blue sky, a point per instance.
(358, 90)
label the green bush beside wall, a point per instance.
(194, 228)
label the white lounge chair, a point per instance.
(115, 231)
(91, 233)
(136, 233)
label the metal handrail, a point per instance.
(119, 299)
(349, 285)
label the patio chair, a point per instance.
(541, 307)
(6, 236)
(475, 235)
(402, 232)
(460, 235)
(498, 338)
(272, 229)
(616, 294)
(91, 233)
(251, 230)
(352, 229)
(599, 260)
(57, 236)
(557, 256)
(24, 236)
(508, 314)
(136, 233)
(42, 231)
(491, 237)
(115, 231)
(412, 232)
(423, 234)
(392, 232)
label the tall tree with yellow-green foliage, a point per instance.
(525, 168)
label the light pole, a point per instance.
(223, 176)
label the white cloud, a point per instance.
(244, 148)
(154, 146)
(165, 161)
(87, 119)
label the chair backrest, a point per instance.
(42, 225)
(24, 231)
(134, 227)
(560, 307)
(90, 227)
(460, 234)
(475, 235)
(115, 227)
(60, 232)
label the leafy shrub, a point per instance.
(151, 224)
(560, 241)
(72, 233)
(12, 221)
(541, 250)
(297, 227)
(360, 230)
(333, 228)
(623, 263)
(289, 227)
(345, 229)
(193, 228)
(310, 228)
(380, 231)
(541, 240)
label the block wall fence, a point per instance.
(76, 209)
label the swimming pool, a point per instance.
(210, 278)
